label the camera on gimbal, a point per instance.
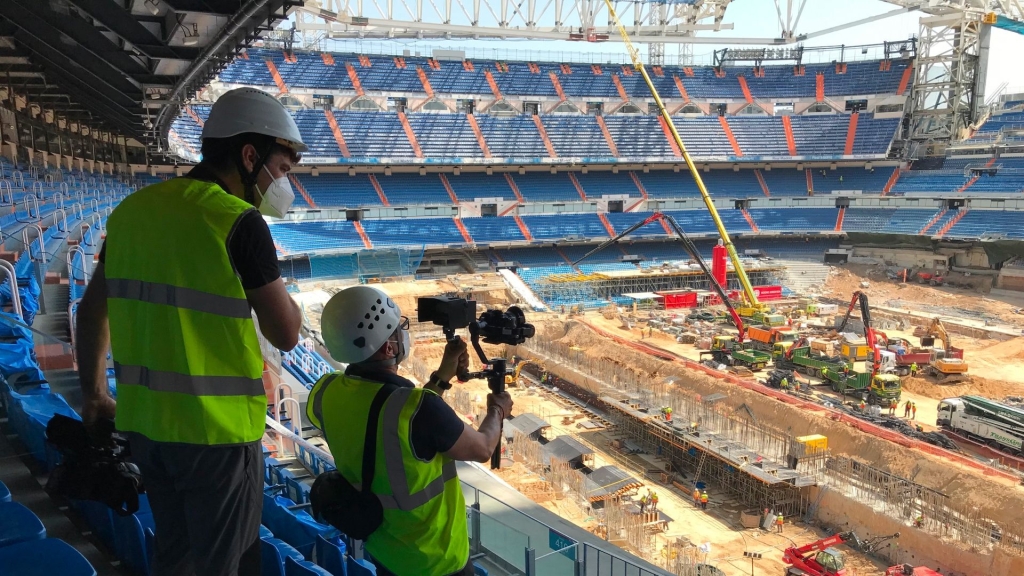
(495, 326)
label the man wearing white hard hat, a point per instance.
(424, 529)
(185, 265)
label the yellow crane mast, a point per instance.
(748, 290)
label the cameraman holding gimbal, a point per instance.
(415, 440)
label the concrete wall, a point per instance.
(843, 513)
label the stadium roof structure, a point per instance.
(124, 66)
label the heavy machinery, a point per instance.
(753, 305)
(767, 338)
(993, 423)
(802, 358)
(948, 367)
(908, 570)
(879, 389)
(820, 558)
(726, 350)
(690, 249)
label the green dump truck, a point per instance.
(880, 389)
(726, 350)
(805, 360)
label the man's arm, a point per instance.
(92, 340)
(478, 445)
(279, 315)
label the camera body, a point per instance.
(495, 326)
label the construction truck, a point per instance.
(820, 558)
(878, 389)
(802, 358)
(726, 350)
(993, 423)
(947, 365)
(766, 337)
(768, 319)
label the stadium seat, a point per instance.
(331, 554)
(274, 552)
(19, 524)
(479, 570)
(47, 557)
(130, 541)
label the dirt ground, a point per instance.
(718, 525)
(843, 281)
(997, 370)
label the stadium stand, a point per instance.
(309, 70)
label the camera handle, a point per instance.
(495, 376)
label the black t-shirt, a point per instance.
(250, 248)
(435, 426)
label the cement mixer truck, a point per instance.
(998, 425)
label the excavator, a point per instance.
(690, 249)
(950, 367)
(820, 558)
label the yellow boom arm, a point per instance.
(748, 290)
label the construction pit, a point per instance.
(606, 384)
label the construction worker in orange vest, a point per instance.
(913, 410)
(696, 497)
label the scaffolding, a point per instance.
(602, 286)
(624, 395)
(761, 466)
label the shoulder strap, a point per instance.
(370, 442)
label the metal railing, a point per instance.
(499, 534)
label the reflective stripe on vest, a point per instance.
(187, 384)
(178, 296)
(187, 360)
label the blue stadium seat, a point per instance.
(293, 525)
(130, 541)
(274, 552)
(331, 554)
(361, 567)
(479, 570)
(19, 524)
(47, 557)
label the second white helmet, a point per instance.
(357, 321)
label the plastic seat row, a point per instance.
(384, 74)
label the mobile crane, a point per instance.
(690, 249)
(753, 306)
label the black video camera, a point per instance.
(507, 327)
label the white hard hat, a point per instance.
(357, 321)
(250, 110)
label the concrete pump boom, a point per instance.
(741, 274)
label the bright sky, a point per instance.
(758, 19)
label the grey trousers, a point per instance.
(207, 502)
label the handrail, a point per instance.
(8, 269)
(277, 391)
(71, 264)
(86, 239)
(76, 210)
(19, 178)
(5, 183)
(48, 178)
(28, 208)
(96, 222)
(64, 188)
(58, 200)
(94, 205)
(37, 186)
(64, 219)
(39, 237)
(296, 417)
(73, 325)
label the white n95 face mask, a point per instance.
(278, 197)
(405, 348)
